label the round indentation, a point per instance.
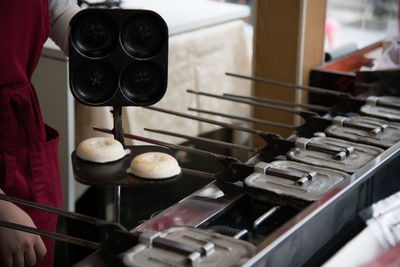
(144, 35)
(142, 83)
(94, 34)
(95, 82)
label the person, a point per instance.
(29, 167)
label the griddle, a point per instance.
(114, 173)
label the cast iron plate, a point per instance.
(114, 173)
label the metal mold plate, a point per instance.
(361, 155)
(386, 107)
(381, 112)
(322, 183)
(227, 251)
(386, 138)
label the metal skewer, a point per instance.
(72, 215)
(312, 89)
(205, 140)
(279, 102)
(202, 174)
(276, 145)
(313, 122)
(290, 85)
(250, 102)
(271, 171)
(248, 119)
(345, 101)
(264, 135)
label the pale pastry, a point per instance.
(154, 165)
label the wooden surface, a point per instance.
(288, 42)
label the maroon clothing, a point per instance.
(29, 166)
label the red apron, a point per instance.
(29, 166)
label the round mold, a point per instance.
(94, 34)
(143, 35)
(95, 82)
(142, 83)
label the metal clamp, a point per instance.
(372, 100)
(299, 177)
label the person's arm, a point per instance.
(61, 12)
(18, 248)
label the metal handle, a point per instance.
(57, 236)
(388, 104)
(299, 177)
(264, 217)
(76, 216)
(339, 153)
(372, 128)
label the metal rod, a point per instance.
(294, 86)
(248, 102)
(118, 135)
(241, 234)
(173, 146)
(68, 214)
(388, 104)
(253, 120)
(279, 102)
(268, 137)
(223, 124)
(57, 236)
(118, 130)
(199, 173)
(117, 204)
(204, 140)
(264, 217)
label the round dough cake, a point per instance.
(100, 150)
(154, 165)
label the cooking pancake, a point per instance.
(100, 150)
(154, 165)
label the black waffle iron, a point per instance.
(117, 57)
